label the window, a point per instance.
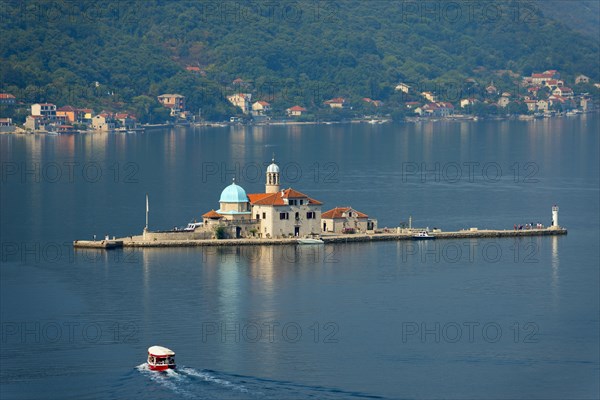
(264, 215)
(301, 202)
(310, 215)
(284, 215)
(257, 216)
(297, 216)
(292, 202)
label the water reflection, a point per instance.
(555, 266)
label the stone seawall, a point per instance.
(479, 234)
(140, 241)
(98, 244)
(207, 242)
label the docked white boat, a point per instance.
(423, 235)
(191, 227)
(310, 241)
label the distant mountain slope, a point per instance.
(301, 52)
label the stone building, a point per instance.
(276, 213)
(347, 220)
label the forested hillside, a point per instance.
(123, 54)
(581, 15)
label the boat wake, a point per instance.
(191, 383)
(188, 382)
(169, 379)
(207, 377)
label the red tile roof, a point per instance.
(263, 103)
(440, 104)
(6, 96)
(276, 199)
(337, 100)
(212, 214)
(254, 197)
(293, 194)
(297, 108)
(124, 115)
(338, 213)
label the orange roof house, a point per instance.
(337, 102)
(346, 220)
(7, 98)
(295, 111)
(68, 113)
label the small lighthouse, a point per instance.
(555, 217)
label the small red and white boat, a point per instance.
(160, 358)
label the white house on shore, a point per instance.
(261, 108)
(44, 110)
(295, 111)
(338, 102)
(241, 100)
(174, 102)
(6, 125)
(103, 122)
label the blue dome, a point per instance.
(233, 194)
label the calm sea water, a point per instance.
(448, 319)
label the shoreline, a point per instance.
(371, 121)
(139, 242)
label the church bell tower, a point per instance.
(272, 185)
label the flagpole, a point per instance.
(147, 210)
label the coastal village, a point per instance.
(541, 95)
